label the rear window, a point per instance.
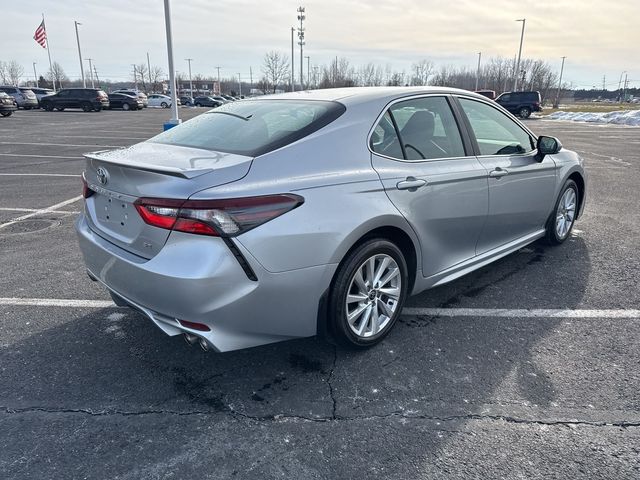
(254, 127)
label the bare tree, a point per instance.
(156, 76)
(57, 73)
(371, 75)
(143, 75)
(339, 73)
(397, 79)
(275, 68)
(11, 72)
(421, 71)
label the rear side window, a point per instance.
(495, 133)
(253, 127)
(426, 130)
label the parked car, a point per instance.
(7, 104)
(24, 97)
(293, 214)
(521, 103)
(160, 100)
(136, 93)
(219, 98)
(228, 97)
(42, 92)
(87, 99)
(186, 100)
(205, 101)
(125, 102)
(490, 94)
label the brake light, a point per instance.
(86, 191)
(225, 218)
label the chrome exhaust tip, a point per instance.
(191, 339)
(204, 345)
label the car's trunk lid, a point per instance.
(120, 177)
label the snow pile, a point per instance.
(622, 117)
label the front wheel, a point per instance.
(563, 217)
(48, 107)
(125, 106)
(6, 114)
(86, 107)
(524, 112)
(368, 293)
(164, 105)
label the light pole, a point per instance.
(308, 70)
(293, 88)
(624, 88)
(148, 69)
(135, 75)
(557, 102)
(239, 86)
(219, 89)
(478, 71)
(301, 17)
(515, 82)
(84, 84)
(189, 60)
(91, 72)
(35, 74)
(175, 120)
(620, 85)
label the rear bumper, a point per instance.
(198, 279)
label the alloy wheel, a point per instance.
(373, 295)
(565, 213)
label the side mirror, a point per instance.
(547, 146)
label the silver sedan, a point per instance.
(286, 216)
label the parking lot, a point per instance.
(527, 368)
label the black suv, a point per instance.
(85, 98)
(521, 103)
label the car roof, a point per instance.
(355, 95)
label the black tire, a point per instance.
(126, 106)
(164, 105)
(552, 237)
(342, 283)
(60, 109)
(86, 107)
(48, 107)
(198, 104)
(6, 114)
(524, 112)
(98, 109)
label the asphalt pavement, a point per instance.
(88, 390)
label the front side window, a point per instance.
(253, 127)
(496, 133)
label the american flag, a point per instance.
(41, 35)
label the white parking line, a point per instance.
(39, 175)
(435, 312)
(39, 156)
(522, 313)
(61, 145)
(12, 209)
(41, 211)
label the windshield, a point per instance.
(252, 127)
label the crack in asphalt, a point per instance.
(329, 378)
(328, 419)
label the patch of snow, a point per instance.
(622, 117)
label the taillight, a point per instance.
(225, 218)
(86, 191)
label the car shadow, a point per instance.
(114, 361)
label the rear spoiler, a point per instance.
(164, 169)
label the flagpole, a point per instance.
(53, 77)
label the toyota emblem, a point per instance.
(103, 175)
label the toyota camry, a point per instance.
(319, 212)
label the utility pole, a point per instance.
(189, 60)
(96, 74)
(620, 85)
(175, 119)
(93, 85)
(301, 17)
(219, 87)
(293, 81)
(557, 102)
(250, 79)
(604, 83)
(149, 69)
(308, 70)
(35, 74)
(624, 90)
(239, 86)
(478, 70)
(135, 77)
(515, 82)
(84, 84)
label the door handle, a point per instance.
(411, 184)
(498, 172)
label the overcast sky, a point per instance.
(598, 37)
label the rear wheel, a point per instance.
(48, 107)
(86, 107)
(563, 217)
(164, 105)
(524, 112)
(27, 108)
(368, 293)
(60, 109)
(198, 104)
(6, 114)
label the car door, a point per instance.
(521, 187)
(428, 170)
(61, 98)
